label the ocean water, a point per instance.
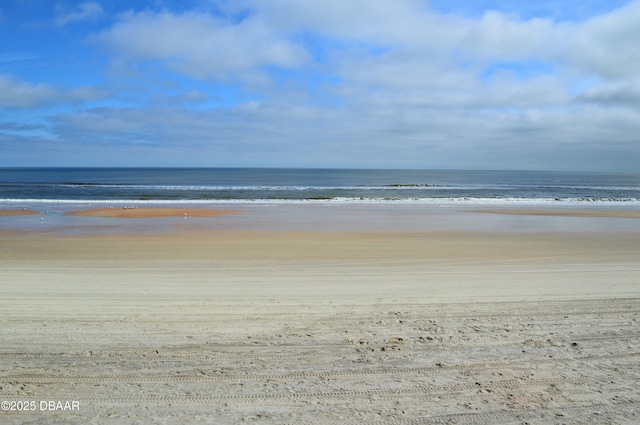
(229, 185)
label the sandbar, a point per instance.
(135, 212)
(4, 213)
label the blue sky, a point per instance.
(453, 84)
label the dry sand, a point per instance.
(238, 326)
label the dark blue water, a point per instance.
(308, 185)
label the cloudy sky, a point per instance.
(463, 84)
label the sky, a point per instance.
(438, 84)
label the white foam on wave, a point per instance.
(335, 200)
(263, 188)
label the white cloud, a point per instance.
(606, 45)
(16, 94)
(625, 94)
(499, 37)
(83, 12)
(19, 94)
(381, 49)
(202, 46)
(384, 136)
(361, 83)
(407, 24)
(365, 20)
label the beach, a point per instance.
(321, 315)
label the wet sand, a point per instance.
(6, 213)
(238, 325)
(564, 213)
(135, 212)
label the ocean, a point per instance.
(241, 185)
